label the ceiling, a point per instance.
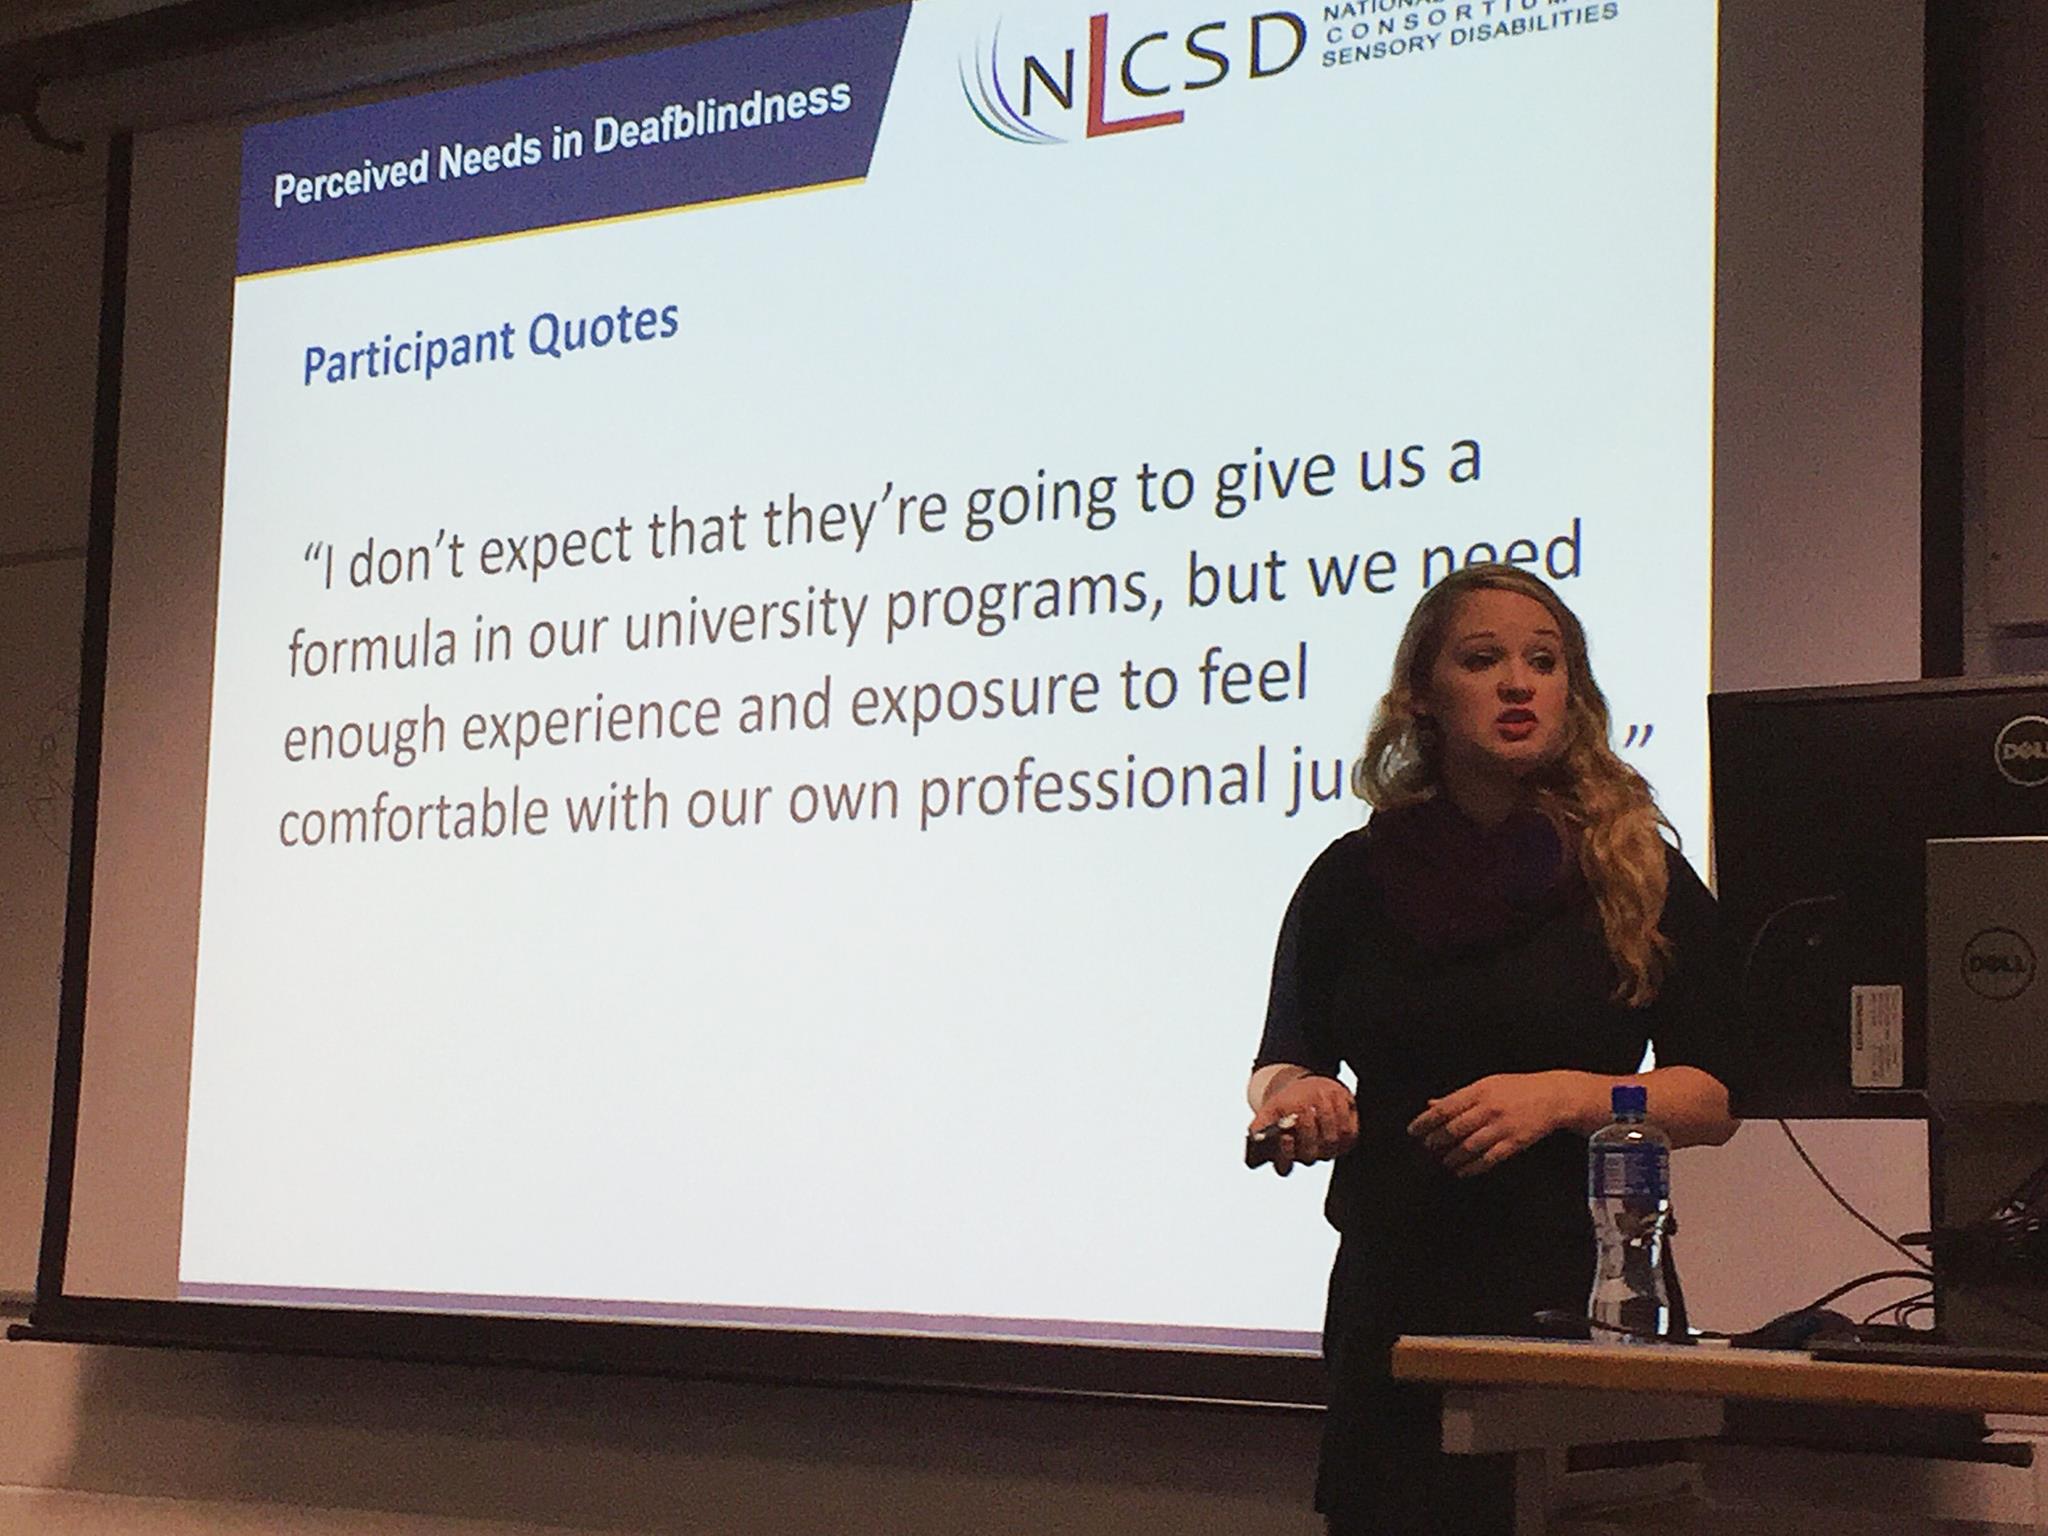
(95, 50)
(36, 18)
(48, 40)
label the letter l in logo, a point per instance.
(1098, 86)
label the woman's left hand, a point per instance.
(1485, 1123)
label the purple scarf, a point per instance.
(1451, 884)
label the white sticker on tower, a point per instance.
(1877, 1037)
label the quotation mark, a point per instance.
(1639, 735)
(321, 553)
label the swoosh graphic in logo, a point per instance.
(985, 95)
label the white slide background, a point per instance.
(992, 1066)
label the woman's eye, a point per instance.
(1543, 663)
(1476, 661)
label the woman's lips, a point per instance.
(1515, 724)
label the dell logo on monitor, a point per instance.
(1998, 964)
(2022, 750)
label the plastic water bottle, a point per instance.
(1628, 1187)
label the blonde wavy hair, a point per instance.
(1601, 807)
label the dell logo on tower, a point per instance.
(1998, 964)
(2022, 750)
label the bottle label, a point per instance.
(1630, 1173)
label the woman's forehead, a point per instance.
(1501, 613)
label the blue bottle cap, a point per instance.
(1631, 1101)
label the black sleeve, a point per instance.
(1297, 1005)
(1693, 1021)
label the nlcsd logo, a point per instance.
(1132, 72)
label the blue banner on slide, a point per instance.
(770, 111)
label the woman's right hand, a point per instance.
(1325, 1120)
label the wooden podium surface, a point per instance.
(1713, 1371)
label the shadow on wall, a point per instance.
(649, 1454)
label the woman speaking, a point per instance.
(1489, 955)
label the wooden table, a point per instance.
(1536, 1398)
(1783, 1376)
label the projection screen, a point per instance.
(722, 655)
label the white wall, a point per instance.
(1817, 347)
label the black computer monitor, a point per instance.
(1824, 799)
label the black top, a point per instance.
(1508, 974)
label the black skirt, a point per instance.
(1383, 1468)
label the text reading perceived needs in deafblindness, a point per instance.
(674, 123)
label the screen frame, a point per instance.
(795, 1356)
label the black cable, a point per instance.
(1745, 985)
(1756, 939)
(1924, 1302)
(30, 110)
(2014, 1225)
(1842, 1200)
(1558, 1317)
(1862, 1280)
(1898, 1308)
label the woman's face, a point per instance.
(1497, 689)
